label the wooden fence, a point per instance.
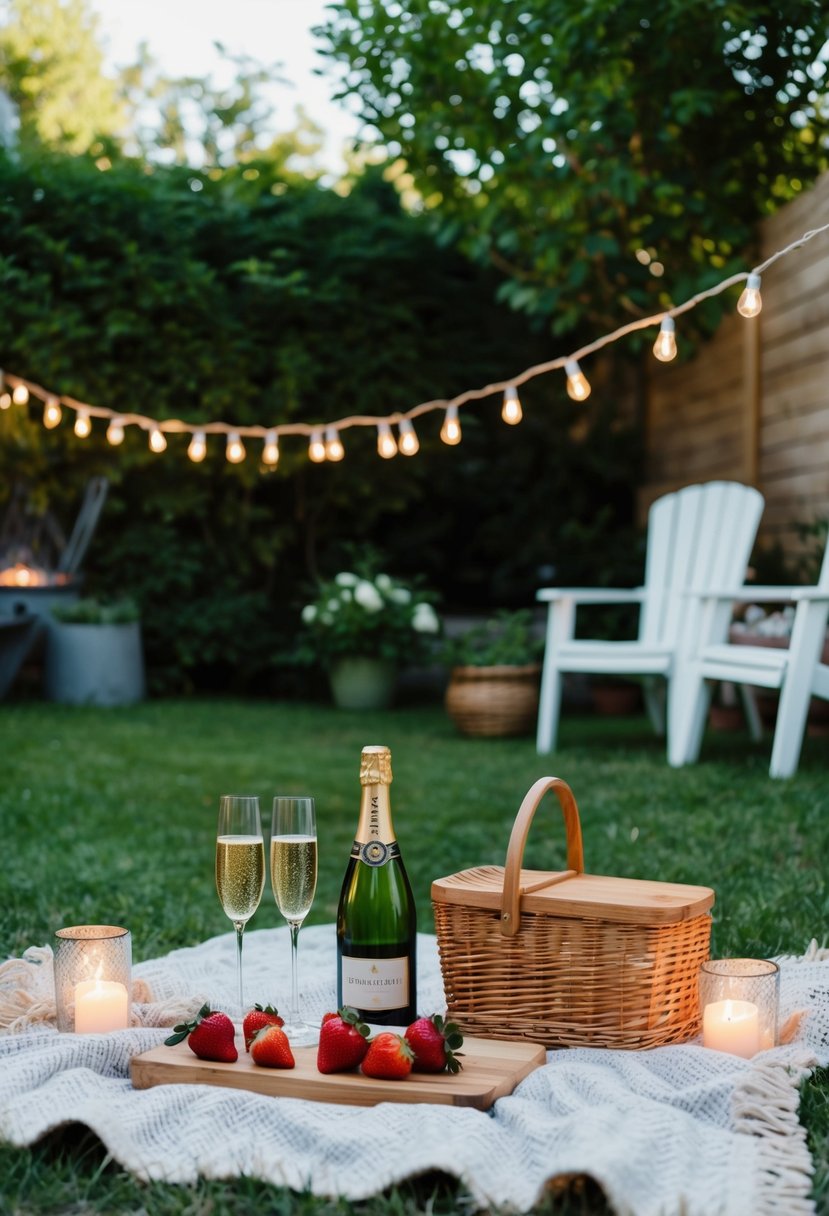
(753, 403)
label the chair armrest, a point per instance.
(592, 595)
(746, 595)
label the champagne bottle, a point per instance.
(376, 917)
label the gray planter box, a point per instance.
(94, 664)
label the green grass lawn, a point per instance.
(109, 815)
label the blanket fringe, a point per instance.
(766, 1104)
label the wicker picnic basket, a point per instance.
(570, 959)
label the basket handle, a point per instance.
(510, 912)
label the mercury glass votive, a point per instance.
(738, 1001)
(93, 984)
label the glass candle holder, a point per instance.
(92, 978)
(738, 1002)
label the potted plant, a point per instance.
(362, 628)
(494, 676)
(94, 654)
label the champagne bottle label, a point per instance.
(375, 852)
(375, 983)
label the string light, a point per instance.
(386, 442)
(409, 443)
(334, 449)
(577, 387)
(750, 302)
(511, 411)
(157, 440)
(665, 345)
(115, 432)
(52, 412)
(83, 427)
(235, 449)
(316, 448)
(270, 450)
(197, 449)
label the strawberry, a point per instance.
(271, 1049)
(389, 1057)
(210, 1035)
(434, 1043)
(258, 1017)
(343, 1041)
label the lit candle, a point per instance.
(100, 1005)
(732, 1026)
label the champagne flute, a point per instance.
(294, 881)
(240, 867)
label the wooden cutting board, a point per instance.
(491, 1069)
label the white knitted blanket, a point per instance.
(663, 1131)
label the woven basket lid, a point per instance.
(563, 893)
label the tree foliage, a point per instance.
(559, 140)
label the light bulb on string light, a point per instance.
(334, 449)
(750, 302)
(197, 448)
(158, 441)
(270, 450)
(52, 412)
(5, 401)
(409, 443)
(235, 449)
(450, 432)
(316, 447)
(386, 442)
(83, 426)
(511, 411)
(20, 394)
(578, 388)
(664, 348)
(115, 432)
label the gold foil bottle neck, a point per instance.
(375, 766)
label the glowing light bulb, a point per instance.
(665, 345)
(5, 401)
(316, 448)
(334, 449)
(197, 449)
(270, 449)
(235, 450)
(386, 442)
(115, 432)
(51, 412)
(750, 302)
(511, 411)
(20, 394)
(83, 426)
(409, 443)
(157, 440)
(450, 432)
(577, 387)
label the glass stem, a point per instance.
(240, 928)
(294, 925)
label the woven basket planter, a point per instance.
(494, 701)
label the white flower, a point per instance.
(333, 605)
(346, 579)
(367, 596)
(400, 595)
(383, 582)
(309, 613)
(345, 595)
(326, 618)
(425, 620)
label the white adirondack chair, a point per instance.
(698, 537)
(797, 672)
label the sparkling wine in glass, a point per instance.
(294, 881)
(240, 867)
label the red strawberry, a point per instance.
(343, 1041)
(389, 1057)
(258, 1017)
(271, 1049)
(434, 1043)
(210, 1035)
